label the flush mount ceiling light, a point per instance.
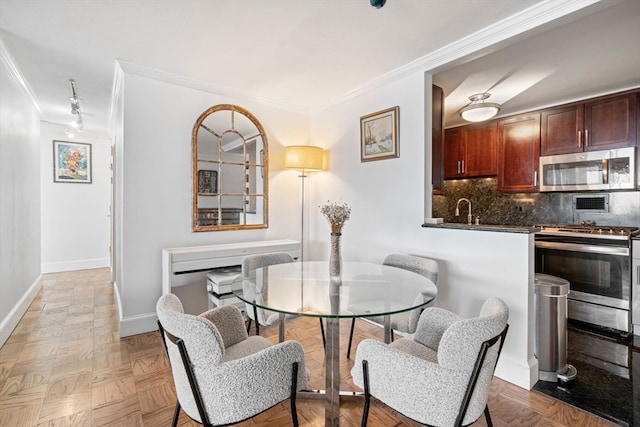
(479, 110)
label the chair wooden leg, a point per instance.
(176, 414)
(353, 324)
(294, 391)
(487, 416)
(367, 394)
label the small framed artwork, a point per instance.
(207, 182)
(71, 162)
(379, 135)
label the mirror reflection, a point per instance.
(230, 173)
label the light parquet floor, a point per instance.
(65, 365)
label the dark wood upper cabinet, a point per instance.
(610, 123)
(481, 150)
(470, 151)
(518, 153)
(561, 130)
(598, 124)
(437, 138)
(453, 153)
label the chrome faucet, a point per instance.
(469, 216)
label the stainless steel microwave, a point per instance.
(594, 170)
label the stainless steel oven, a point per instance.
(597, 263)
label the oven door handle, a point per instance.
(577, 247)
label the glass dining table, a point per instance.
(362, 290)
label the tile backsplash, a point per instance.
(498, 208)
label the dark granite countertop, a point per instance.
(524, 229)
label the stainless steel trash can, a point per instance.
(550, 302)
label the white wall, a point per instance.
(19, 197)
(154, 185)
(75, 221)
(387, 196)
(388, 200)
(476, 265)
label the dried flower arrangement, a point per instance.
(336, 214)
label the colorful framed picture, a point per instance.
(71, 162)
(379, 135)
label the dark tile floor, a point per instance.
(608, 382)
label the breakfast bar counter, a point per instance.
(525, 229)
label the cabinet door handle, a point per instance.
(586, 138)
(638, 275)
(535, 178)
(463, 166)
(579, 139)
(458, 167)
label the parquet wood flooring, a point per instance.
(65, 365)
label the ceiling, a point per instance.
(313, 53)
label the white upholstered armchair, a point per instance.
(249, 263)
(229, 376)
(408, 321)
(440, 376)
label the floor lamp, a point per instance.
(305, 158)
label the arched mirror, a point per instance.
(230, 173)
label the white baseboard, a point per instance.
(525, 376)
(11, 320)
(134, 325)
(86, 264)
(139, 324)
(116, 295)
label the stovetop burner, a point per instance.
(593, 230)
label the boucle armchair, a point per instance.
(249, 263)
(440, 376)
(221, 374)
(408, 321)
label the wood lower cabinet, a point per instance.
(599, 124)
(470, 151)
(518, 153)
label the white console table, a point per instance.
(184, 270)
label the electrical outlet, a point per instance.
(519, 209)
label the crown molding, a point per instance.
(526, 20)
(16, 75)
(163, 76)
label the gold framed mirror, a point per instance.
(230, 170)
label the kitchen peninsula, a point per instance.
(478, 262)
(486, 227)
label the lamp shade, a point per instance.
(303, 157)
(479, 110)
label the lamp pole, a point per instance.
(302, 177)
(303, 158)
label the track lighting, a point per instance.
(77, 123)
